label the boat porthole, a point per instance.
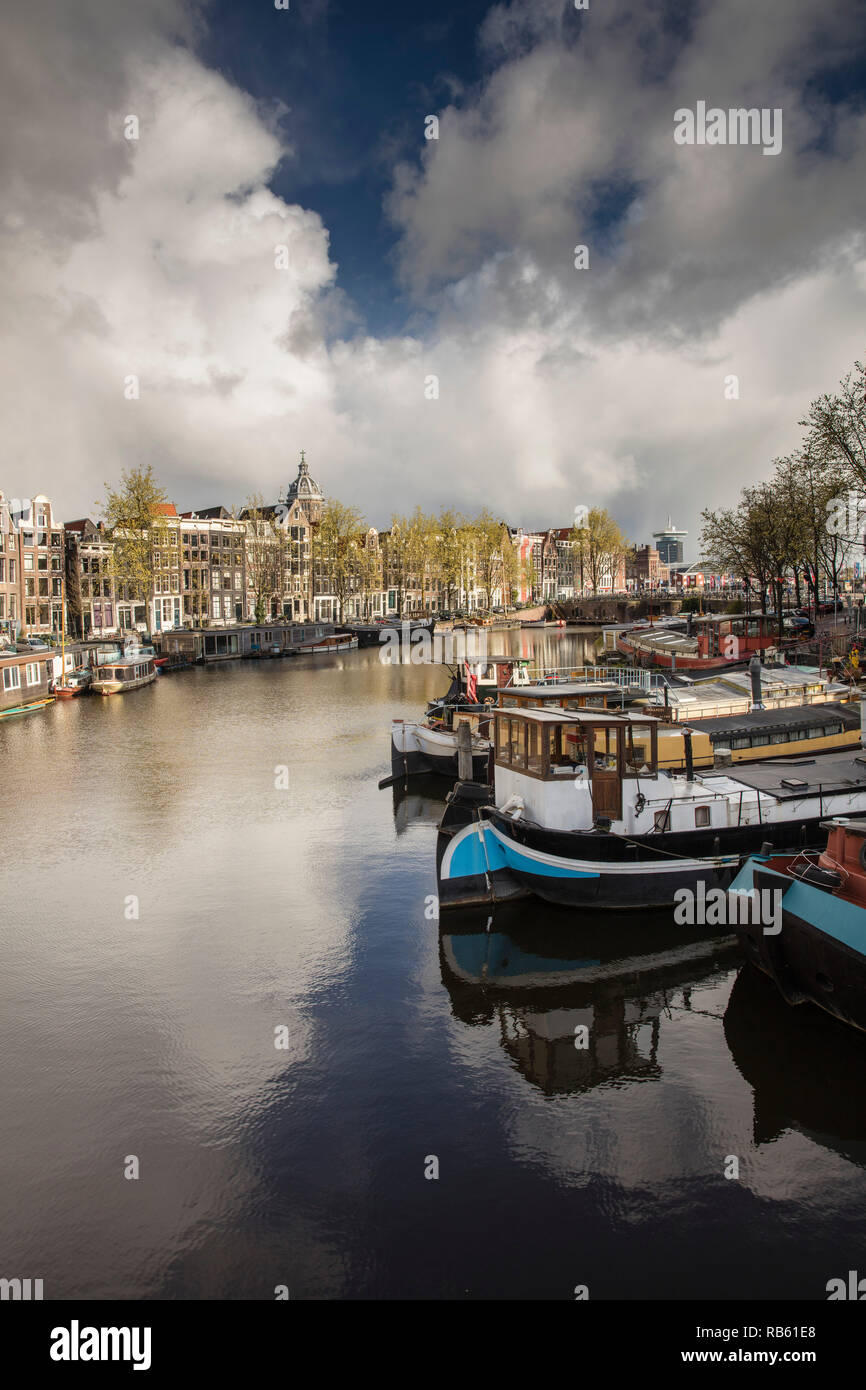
(822, 981)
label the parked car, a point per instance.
(32, 644)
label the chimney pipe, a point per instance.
(755, 678)
(690, 762)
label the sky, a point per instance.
(282, 260)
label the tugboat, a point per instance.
(817, 953)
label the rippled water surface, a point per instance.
(261, 908)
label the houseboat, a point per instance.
(72, 684)
(370, 634)
(678, 697)
(429, 745)
(336, 642)
(815, 948)
(580, 813)
(26, 681)
(129, 673)
(719, 642)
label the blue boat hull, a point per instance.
(819, 955)
(481, 863)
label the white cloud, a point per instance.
(557, 386)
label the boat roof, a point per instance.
(558, 692)
(794, 717)
(825, 773)
(573, 716)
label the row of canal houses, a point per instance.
(205, 566)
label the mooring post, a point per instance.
(464, 751)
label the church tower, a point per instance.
(306, 492)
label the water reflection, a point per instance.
(807, 1071)
(419, 801)
(540, 977)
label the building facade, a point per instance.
(31, 575)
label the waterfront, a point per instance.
(261, 907)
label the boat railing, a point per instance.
(624, 676)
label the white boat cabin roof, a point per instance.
(569, 690)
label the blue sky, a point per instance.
(358, 80)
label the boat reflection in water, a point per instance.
(806, 1073)
(418, 800)
(543, 977)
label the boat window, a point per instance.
(702, 815)
(533, 747)
(605, 749)
(637, 751)
(575, 746)
(662, 819)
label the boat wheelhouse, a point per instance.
(581, 813)
(119, 677)
(566, 695)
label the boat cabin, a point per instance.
(568, 695)
(487, 677)
(734, 636)
(560, 747)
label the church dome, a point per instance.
(304, 489)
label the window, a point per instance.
(662, 819)
(11, 678)
(32, 670)
(702, 815)
(28, 562)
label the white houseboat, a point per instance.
(129, 673)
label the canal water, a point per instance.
(201, 870)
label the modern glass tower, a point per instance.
(669, 544)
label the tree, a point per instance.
(336, 551)
(264, 547)
(836, 429)
(600, 547)
(488, 536)
(134, 519)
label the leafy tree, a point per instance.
(336, 551)
(133, 516)
(265, 545)
(599, 548)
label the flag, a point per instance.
(471, 685)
